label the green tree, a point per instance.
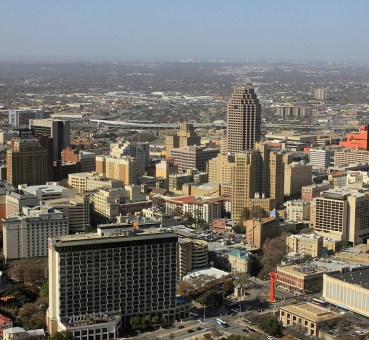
(211, 298)
(271, 326)
(44, 290)
(239, 229)
(64, 335)
(135, 322)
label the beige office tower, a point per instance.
(256, 174)
(246, 180)
(343, 214)
(220, 169)
(122, 169)
(140, 151)
(165, 168)
(186, 136)
(27, 162)
(273, 174)
(243, 119)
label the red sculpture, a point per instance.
(273, 279)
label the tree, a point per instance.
(211, 298)
(185, 289)
(306, 230)
(64, 335)
(273, 253)
(239, 229)
(44, 290)
(30, 271)
(177, 211)
(189, 220)
(135, 322)
(256, 211)
(271, 326)
(215, 332)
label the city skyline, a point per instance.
(166, 31)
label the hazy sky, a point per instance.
(177, 29)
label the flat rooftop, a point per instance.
(310, 312)
(94, 238)
(356, 277)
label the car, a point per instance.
(269, 337)
(206, 329)
(190, 331)
(198, 328)
(181, 327)
(245, 330)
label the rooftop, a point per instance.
(360, 277)
(216, 273)
(311, 312)
(94, 238)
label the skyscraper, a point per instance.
(256, 173)
(99, 281)
(138, 150)
(26, 161)
(243, 119)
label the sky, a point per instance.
(165, 30)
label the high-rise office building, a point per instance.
(243, 119)
(140, 151)
(99, 281)
(58, 130)
(22, 117)
(186, 136)
(193, 157)
(320, 158)
(256, 173)
(343, 215)
(321, 94)
(123, 169)
(26, 161)
(86, 159)
(220, 169)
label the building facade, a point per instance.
(243, 119)
(26, 162)
(26, 234)
(308, 316)
(343, 215)
(349, 290)
(123, 169)
(139, 151)
(58, 130)
(259, 230)
(305, 244)
(111, 278)
(22, 117)
(193, 157)
(298, 211)
(296, 175)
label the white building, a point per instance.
(26, 234)
(203, 208)
(320, 158)
(298, 210)
(50, 190)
